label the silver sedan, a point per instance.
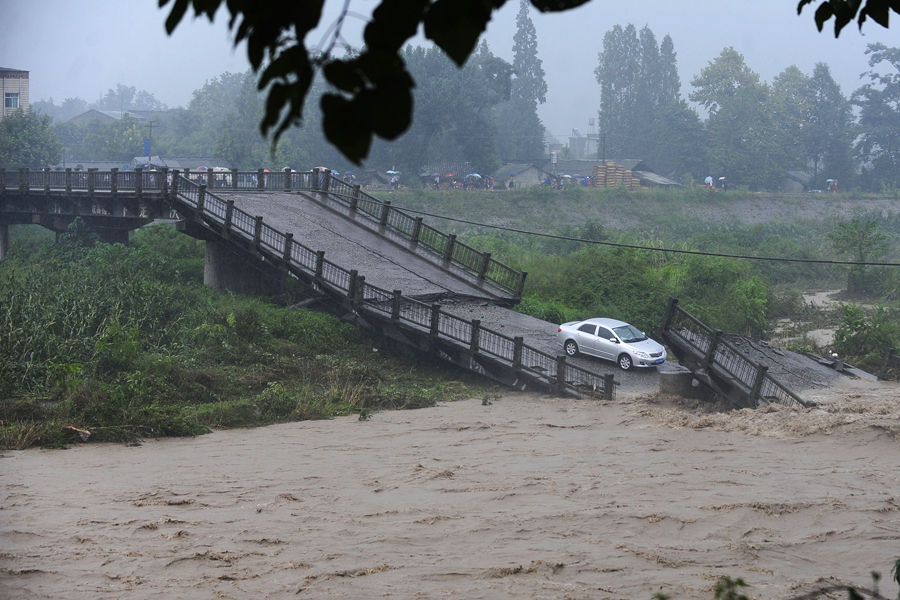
(610, 339)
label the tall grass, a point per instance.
(126, 342)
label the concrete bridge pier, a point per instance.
(4, 239)
(227, 271)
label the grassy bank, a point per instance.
(113, 343)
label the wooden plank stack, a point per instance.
(612, 174)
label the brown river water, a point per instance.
(526, 497)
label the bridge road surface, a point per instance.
(391, 266)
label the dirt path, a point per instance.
(528, 497)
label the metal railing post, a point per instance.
(518, 345)
(359, 292)
(609, 387)
(23, 181)
(139, 181)
(435, 320)
(320, 264)
(260, 179)
(68, 180)
(761, 371)
(326, 181)
(91, 180)
(352, 291)
(46, 180)
(2, 181)
(448, 251)
(229, 214)
(561, 374)
(476, 329)
(484, 267)
(288, 246)
(520, 285)
(385, 210)
(201, 198)
(710, 357)
(257, 231)
(417, 231)
(234, 178)
(354, 198)
(395, 306)
(164, 184)
(287, 179)
(114, 181)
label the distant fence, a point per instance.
(426, 319)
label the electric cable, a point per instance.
(819, 261)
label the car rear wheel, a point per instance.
(571, 348)
(625, 362)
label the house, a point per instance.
(14, 85)
(586, 167)
(110, 116)
(520, 174)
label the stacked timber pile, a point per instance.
(611, 174)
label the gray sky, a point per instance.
(84, 47)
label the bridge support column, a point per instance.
(228, 271)
(4, 239)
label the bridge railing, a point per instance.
(684, 329)
(426, 318)
(91, 180)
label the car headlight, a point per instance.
(640, 354)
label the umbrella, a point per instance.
(392, 172)
(448, 174)
(474, 175)
(319, 168)
(201, 168)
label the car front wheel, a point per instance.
(625, 362)
(571, 348)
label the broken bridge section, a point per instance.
(721, 364)
(401, 271)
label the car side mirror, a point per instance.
(614, 340)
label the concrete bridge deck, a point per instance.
(385, 263)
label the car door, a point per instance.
(606, 348)
(586, 338)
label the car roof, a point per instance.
(606, 322)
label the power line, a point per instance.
(819, 261)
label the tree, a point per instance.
(374, 89)
(28, 140)
(125, 98)
(617, 72)
(742, 139)
(863, 241)
(879, 119)
(790, 103)
(521, 131)
(829, 135)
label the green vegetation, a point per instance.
(570, 278)
(126, 342)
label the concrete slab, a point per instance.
(382, 262)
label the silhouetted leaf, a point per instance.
(556, 5)
(455, 25)
(345, 127)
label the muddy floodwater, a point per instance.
(523, 497)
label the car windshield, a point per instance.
(629, 334)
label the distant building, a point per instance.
(110, 116)
(14, 85)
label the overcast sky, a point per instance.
(81, 48)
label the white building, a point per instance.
(14, 89)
